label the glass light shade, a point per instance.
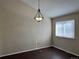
(38, 16)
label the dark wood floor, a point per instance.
(47, 53)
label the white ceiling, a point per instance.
(54, 8)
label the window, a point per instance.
(65, 29)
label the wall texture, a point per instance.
(18, 30)
(67, 44)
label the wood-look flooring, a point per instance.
(46, 53)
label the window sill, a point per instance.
(65, 38)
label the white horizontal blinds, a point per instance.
(59, 29)
(65, 28)
(69, 29)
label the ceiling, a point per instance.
(54, 8)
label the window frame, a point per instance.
(73, 28)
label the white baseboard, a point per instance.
(24, 51)
(66, 51)
(38, 49)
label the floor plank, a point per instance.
(47, 53)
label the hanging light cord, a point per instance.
(38, 4)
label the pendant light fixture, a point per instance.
(38, 17)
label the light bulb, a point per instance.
(39, 18)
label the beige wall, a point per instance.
(18, 30)
(67, 44)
